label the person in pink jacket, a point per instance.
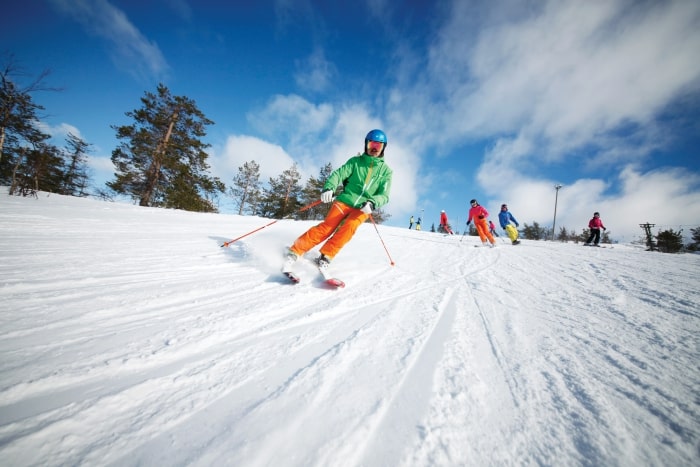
(595, 224)
(492, 229)
(479, 214)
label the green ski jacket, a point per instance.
(364, 178)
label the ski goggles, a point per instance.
(375, 145)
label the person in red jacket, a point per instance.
(595, 224)
(479, 214)
(443, 222)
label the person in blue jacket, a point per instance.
(506, 219)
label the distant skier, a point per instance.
(418, 224)
(410, 223)
(444, 224)
(366, 182)
(479, 214)
(506, 219)
(492, 229)
(595, 224)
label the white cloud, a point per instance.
(239, 149)
(315, 73)
(292, 120)
(58, 132)
(103, 169)
(570, 86)
(564, 75)
(569, 72)
(131, 51)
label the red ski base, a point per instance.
(335, 283)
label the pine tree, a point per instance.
(28, 163)
(282, 197)
(161, 160)
(695, 236)
(39, 168)
(533, 232)
(547, 233)
(312, 191)
(669, 241)
(585, 233)
(246, 187)
(563, 235)
(186, 194)
(573, 236)
(380, 216)
(76, 176)
(20, 138)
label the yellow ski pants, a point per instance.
(512, 232)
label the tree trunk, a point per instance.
(2, 141)
(154, 171)
(13, 186)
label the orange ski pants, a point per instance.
(332, 226)
(482, 228)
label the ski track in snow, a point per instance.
(129, 337)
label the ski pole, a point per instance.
(308, 206)
(380, 239)
(466, 230)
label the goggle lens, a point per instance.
(375, 145)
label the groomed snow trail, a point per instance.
(128, 336)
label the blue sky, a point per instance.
(494, 100)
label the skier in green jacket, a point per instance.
(366, 182)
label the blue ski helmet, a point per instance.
(378, 136)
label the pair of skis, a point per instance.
(327, 278)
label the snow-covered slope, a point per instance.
(128, 336)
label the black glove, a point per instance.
(604, 228)
(468, 222)
(481, 216)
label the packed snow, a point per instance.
(129, 336)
